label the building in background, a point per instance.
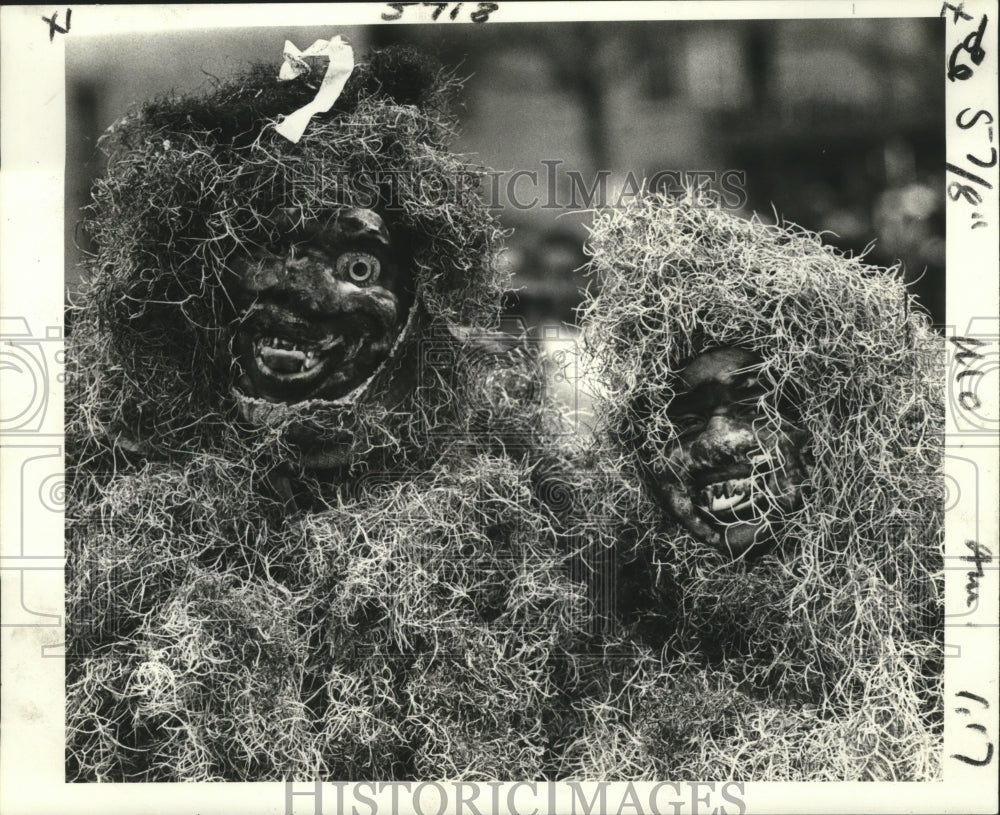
(834, 124)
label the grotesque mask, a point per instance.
(730, 475)
(322, 305)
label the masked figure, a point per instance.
(778, 406)
(300, 453)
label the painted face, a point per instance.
(730, 477)
(322, 307)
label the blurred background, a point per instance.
(834, 124)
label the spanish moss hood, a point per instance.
(197, 184)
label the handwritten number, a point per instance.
(974, 761)
(967, 694)
(966, 174)
(482, 14)
(980, 162)
(398, 8)
(969, 401)
(958, 190)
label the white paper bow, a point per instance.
(337, 71)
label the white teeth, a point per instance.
(277, 354)
(726, 494)
(734, 486)
(733, 502)
(281, 344)
(277, 343)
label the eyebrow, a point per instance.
(696, 399)
(362, 224)
(352, 225)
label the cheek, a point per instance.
(385, 302)
(678, 452)
(373, 304)
(668, 464)
(792, 444)
(256, 275)
(795, 448)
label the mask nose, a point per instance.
(723, 438)
(284, 275)
(300, 268)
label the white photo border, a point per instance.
(32, 761)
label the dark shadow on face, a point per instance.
(322, 305)
(731, 477)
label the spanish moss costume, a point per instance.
(304, 535)
(776, 403)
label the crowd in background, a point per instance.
(833, 124)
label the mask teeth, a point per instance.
(734, 486)
(725, 490)
(306, 360)
(308, 348)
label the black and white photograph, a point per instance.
(500, 407)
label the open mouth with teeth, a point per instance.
(290, 365)
(286, 359)
(735, 500)
(735, 494)
(733, 504)
(737, 504)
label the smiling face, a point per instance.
(322, 307)
(729, 478)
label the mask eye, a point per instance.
(358, 267)
(748, 395)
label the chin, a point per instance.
(739, 538)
